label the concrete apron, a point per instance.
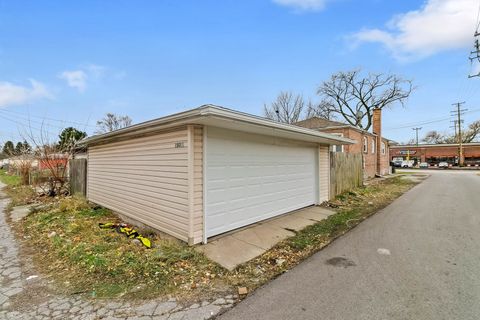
(240, 246)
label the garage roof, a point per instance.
(212, 115)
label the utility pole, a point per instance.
(416, 133)
(458, 114)
(455, 122)
(475, 54)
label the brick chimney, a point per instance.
(377, 129)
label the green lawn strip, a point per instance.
(9, 179)
(19, 194)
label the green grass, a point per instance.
(104, 263)
(332, 225)
(9, 180)
(405, 172)
(18, 193)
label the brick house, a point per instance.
(376, 159)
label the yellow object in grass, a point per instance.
(129, 232)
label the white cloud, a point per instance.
(95, 70)
(303, 5)
(439, 25)
(12, 94)
(76, 79)
(89, 73)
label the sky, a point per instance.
(66, 63)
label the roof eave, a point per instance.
(206, 115)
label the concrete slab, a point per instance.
(230, 252)
(263, 236)
(292, 222)
(241, 246)
(20, 212)
(314, 213)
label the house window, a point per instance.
(365, 145)
(382, 146)
(373, 145)
(337, 148)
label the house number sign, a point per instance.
(179, 145)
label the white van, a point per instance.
(407, 164)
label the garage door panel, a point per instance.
(249, 179)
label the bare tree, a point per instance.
(287, 108)
(434, 137)
(51, 174)
(410, 142)
(472, 133)
(22, 163)
(112, 122)
(354, 96)
(320, 110)
(469, 135)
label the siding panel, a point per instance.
(324, 173)
(198, 186)
(145, 179)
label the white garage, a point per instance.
(248, 179)
(207, 171)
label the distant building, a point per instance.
(372, 146)
(435, 153)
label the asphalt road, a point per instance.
(419, 258)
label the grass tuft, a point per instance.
(9, 179)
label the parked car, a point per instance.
(443, 165)
(407, 164)
(397, 163)
(423, 165)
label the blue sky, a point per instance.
(74, 61)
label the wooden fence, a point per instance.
(346, 172)
(78, 176)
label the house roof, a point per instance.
(212, 115)
(317, 123)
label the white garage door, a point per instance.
(251, 178)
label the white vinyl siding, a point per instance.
(324, 174)
(145, 179)
(197, 222)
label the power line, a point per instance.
(409, 125)
(23, 124)
(51, 119)
(42, 123)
